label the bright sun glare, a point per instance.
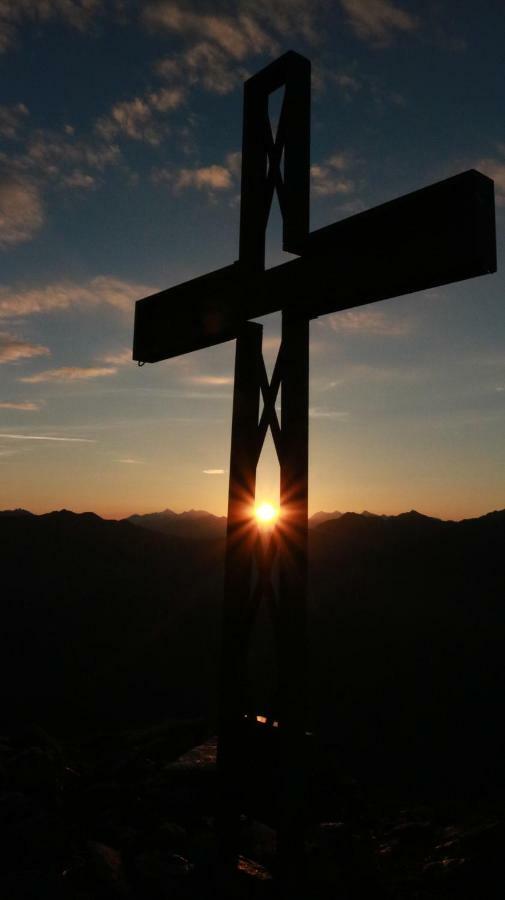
(265, 512)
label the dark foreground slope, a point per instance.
(107, 623)
(408, 626)
(102, 621)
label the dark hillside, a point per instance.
(102, 619)
(194, 523)
(408, 631)
(106, 622)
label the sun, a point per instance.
(266, 513)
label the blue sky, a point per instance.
(120, 134)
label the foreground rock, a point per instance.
(130, 816)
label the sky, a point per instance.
(120, 136)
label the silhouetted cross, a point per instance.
(434, 236)
(439, 234)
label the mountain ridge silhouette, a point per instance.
(106, 623)
(199, 522)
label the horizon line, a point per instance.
(333, 514)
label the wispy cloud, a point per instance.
(238, 36)
(119, 358)
(12, 119)
(64, 158)
(102, 290)
(222, 37)
(213, 380)
(377, 21)
(210, 179)
(49, 151)
(21, 210)
(46, 437)
(243, 28)
(348, 83)
(214, 471)
(77, 13)
(128, 461)
(369, 321)
(204, 65)
(23, 405)
(379, 374)
(79, 180)
(13, 348)
(139, 118)
(69, 373)
(330, 178)
(47, 158)
(316, 412)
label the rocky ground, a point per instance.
(131, 815)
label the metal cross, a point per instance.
(439, 234)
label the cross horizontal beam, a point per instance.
(434, 236)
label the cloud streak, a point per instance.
(69, 373)
(238, 36)
(329, 178)
(139, 118)
(212, 380)
(369, 321)
(21, 210)
(222, 37)
(48, 159)
(210, 179)
(77, 13)
(317, 412)
(104, 290)
(46, 437)
(120, 358)
(12, 119)
(25, 406)
(79, 181)
(203, 65)
(13, 349)
(65, 160)
(378, 21)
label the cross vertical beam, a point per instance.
(292, 598)
(240, 542)
(241, 602)
(293, 525)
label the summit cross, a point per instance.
(440, 234)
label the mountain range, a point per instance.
(193, 523)
(105, 623)
(196, 523)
